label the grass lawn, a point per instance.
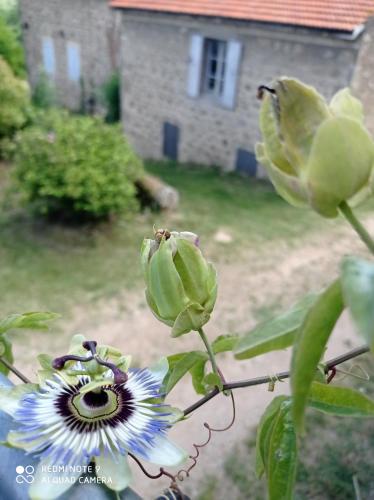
(46, 266)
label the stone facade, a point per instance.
(93, 29)
(154, 73)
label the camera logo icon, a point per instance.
(25, 474)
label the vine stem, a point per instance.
(346, 210)
(208, 347)
(268, 378)
(14, 370)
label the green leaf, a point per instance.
(341, 401)
(45, 361)
(310, 344)
(198, 373)
(30, 320)
(358, 291)
(282, 458)
(276, 450)
(6, 353)
(182, 365)
(213, 380)
(275, 334)
(224, 343)
(264, 430)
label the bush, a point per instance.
(76, 167)
(44, 95)
(112, 98)
(10, 48)
(14, 101)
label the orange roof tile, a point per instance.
(342, 15)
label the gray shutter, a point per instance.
(194, 65)
(234, 49)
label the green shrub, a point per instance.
(75, 167)
(112, 98)
(44, 94)
(14, 101)
(10, 48)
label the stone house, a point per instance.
(75, 43)
(190, 68)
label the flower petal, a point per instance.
(10, 396)
(115, 471)
(49, 485)
(164, 452)
(160, 369)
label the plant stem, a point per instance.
(346, 210)
(278, 376)
(209, 351)
(14, 370)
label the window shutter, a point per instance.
(74, 63)
(234, 49)
(48, 55)
(194, 65)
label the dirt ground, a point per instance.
(277, 278)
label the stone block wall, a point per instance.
(363, 80)
(154, 70)
(89, 23)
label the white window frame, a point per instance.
(213, 82)
(227, 72)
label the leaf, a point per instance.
(45, 361)
(276, 450)
(310, 345)
(6, 353)
(224, 343)
(341, 401)
(182, 366)
(358, 291)
(282, 458)
(198, 373)
(274, 334)
(30, 320)
(264, 432)
(213, 380)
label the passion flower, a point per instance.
(69, 425)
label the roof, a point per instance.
(340, 15)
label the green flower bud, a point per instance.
(316, 154)
(181, 285)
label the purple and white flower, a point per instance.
(69, 425)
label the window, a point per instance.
(48, 56)
(214, 61)
(170, 141)
(73, 61)
(213, 68)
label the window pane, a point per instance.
(214, 66)
(74, 64)
(48, 53)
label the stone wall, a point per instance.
(155, 54)
(363, 80)
(89, 23)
